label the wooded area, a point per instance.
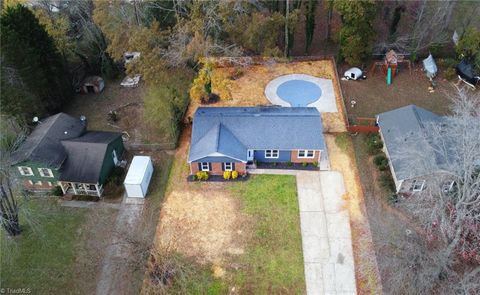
(81, 38)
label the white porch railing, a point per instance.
(81, 189)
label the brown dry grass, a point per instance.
(203, 220)
(366, 270)
(205, 225)
(249, 89)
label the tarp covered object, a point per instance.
(465, 71)
(430, 67)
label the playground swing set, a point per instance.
(389, 65)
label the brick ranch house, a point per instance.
(402, 129)
(230, 138)
(60, 151)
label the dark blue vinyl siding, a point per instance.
(283, 156)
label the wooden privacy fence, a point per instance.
(362, 125)
(362, 129)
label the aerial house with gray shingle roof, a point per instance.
(60, 151)
(404, 132)
(229, 138)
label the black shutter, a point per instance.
(209, 166)
(223, 166)
(233, 166)
(199, 166)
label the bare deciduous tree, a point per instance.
(11, 137)
(430, 21)
(447, 256)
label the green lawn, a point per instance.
(62, 248)
(273, 259)
(42, 257)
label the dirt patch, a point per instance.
(374, 96)
(249, 88)
(127, 102)
(204, 225)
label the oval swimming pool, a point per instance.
(299, 93)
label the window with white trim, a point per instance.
(271, 154)
(38, 182)
(228, 166)
(306, 154)
(205, 166)
(25, 171)
(45, 172)
(417, 185)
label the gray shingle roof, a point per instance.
(43, 144)
(401, 128)
(230, 131)
(85, 156)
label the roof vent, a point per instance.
(65, 132)
(83, 120)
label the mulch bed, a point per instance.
(288, 166)
(219, 178)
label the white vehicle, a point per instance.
(131, 82)
(138, 177)
(354, 74)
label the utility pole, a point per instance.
(286, 29)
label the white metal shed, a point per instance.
(138, 177)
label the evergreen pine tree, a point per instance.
(38, 66)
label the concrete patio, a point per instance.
(325, 103)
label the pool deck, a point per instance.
(325, 104)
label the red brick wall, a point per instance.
(217, 168)
(241, 168)
(194, 168)
(295, 159)
(43, 186)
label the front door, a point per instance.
(250, 154)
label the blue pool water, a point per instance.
(299, 93)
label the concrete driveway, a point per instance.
(326, 234)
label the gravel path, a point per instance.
(115, 275)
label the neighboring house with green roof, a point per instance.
(60, 151)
